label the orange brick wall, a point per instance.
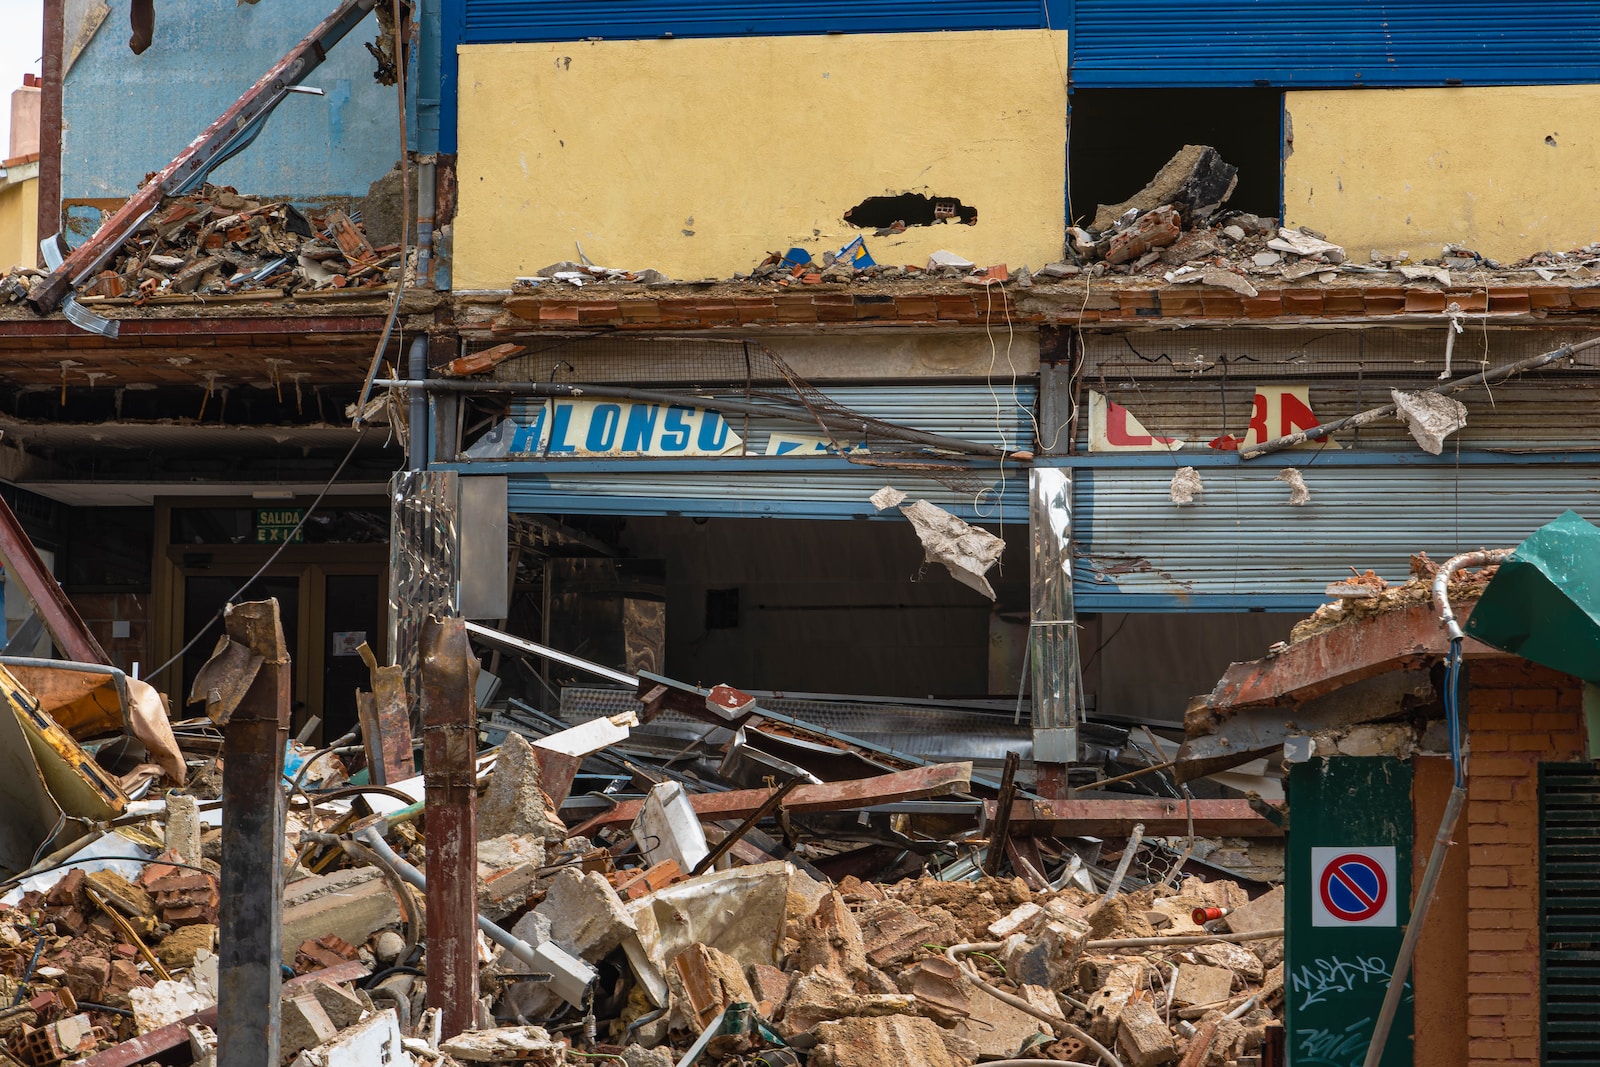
(1519, 715)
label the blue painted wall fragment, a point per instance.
(124, 116)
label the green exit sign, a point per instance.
(277, 525)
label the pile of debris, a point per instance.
(215, 242)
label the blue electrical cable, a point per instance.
(1452, 709)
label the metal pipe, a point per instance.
(652, 396)
(1184, 939)
(427, 198)
(1122, 868)
(1362, 418)
(1441, 583)
(417, 453)
(534, 957)
(517, 644)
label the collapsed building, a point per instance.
(849, 414)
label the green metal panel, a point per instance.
(1337, 968)
(1544, 604)
(1569, 912)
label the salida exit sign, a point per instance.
(277, 525)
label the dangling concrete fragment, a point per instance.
(1299, 493)
(1431, 417)
(1186, 486)
(966, 551)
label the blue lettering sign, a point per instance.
(558, 429)
(526, 437)
(603, 423)
(713, 432)
(640, 431)
(676, 437)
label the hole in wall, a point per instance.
(913, 209)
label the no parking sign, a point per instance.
(1353, 886)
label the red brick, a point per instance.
(1488, 1006)
(1513, 302)
(1507, 766)
(1483, 1048)
(1512, 984)
(1489, 877)
(1534, 698)
(1488, 834)
(1487, 700)
(916, 307)
(1490, 1026)
(1488, 788)
(1490, 741)
(1555, 720)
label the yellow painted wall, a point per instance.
(19, 219)
(1506, 171)
(697, 157)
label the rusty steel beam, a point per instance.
(229, 133)
(249, 956)
(1104, 817)
(449, 751)
(66, 626)
(385, 722)
(935, 780)
(1402, 639)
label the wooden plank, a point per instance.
(937, 780)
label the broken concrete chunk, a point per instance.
(1299, 493)
(901, 1040)
(1423, 273)
(374, 1040)
(303, 1024)
(343, 1007)
(1236, 958)
(514, 803)
(1143, 1037)
(966, 551)
(586, 915)
(350, 904)
(817, 997)
(997, 1028)
(183, 827)
(508, 873)
(1197, 983)
(1186, 486)
(184, 945)
(887, 497)
(521, 1044)
(1196, 181)
(1263, 913)
(1430, 417)
(1119, 984)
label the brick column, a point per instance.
(1519, 715)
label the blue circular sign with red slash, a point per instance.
(1354, 887)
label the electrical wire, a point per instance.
(18, 879)
(1452, 710)
(234, 599)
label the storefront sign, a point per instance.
(581, 427)
(1275, 411)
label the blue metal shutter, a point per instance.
(1244, 546)
(1333, 43)
(500, 21)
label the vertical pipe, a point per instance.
(1053, 644)
(449, 748)
(427, 197)
(52, 72)
(250, 951)
(418, 451)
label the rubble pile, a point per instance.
(216, 242)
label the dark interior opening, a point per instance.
(1121, 137)
(913, 209)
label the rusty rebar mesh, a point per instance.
(692, 364)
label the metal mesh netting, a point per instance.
(690, 365)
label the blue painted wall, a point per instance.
(126, 115)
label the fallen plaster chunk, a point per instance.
(1430, 417)
(169, 1001)
(966, 551)
(943, 258)
(1186, 486)
(1301, 244)
(1299, 493)
(1426, 274)
(887, 497)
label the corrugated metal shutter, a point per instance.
(1244, 545)
(499, 21)
(1569, 912)
(1311, 43)
(735, 488)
